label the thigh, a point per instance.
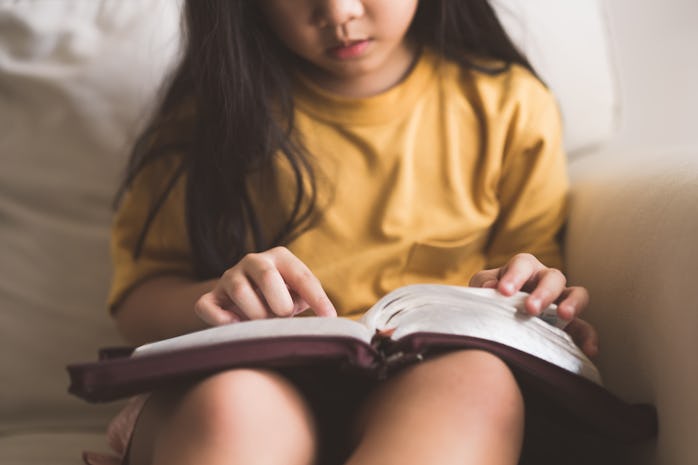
(458, 378)
(457, 407)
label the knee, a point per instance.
(477, 381)
(248, 404)
(469, 367)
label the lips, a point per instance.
(349, 49)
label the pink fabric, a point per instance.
(119, 434)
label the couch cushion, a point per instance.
(74, 77)
(568, 44)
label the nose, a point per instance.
(334, 13)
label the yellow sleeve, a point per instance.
(533, 189)
(166, 248)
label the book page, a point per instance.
(481, 313)
(261, 329)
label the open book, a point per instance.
(419, 308)
(406, 326)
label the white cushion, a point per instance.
(74, 76)
(567, 43)
(631, 240)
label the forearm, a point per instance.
(161, 307)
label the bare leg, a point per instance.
(235, 417)
(460, 408)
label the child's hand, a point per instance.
(524, 272)
(269, 284)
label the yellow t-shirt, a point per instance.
(449, 172)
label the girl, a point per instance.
(310, 156)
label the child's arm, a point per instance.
(159, 308)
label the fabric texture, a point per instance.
(449, 172)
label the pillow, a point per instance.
(75, 81)
(568, 45)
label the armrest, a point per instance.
(632, 240)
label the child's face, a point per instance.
(347, 42)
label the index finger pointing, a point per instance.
(303, 282)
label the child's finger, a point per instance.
(520, 269)
(484, 278)
(272, 287)
(238, 289)
(208, 310)
(303, 282)
(299, 304)
(584, 335)
(550, 284)
(572, 302)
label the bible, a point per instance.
(406, 326)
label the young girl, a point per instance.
(310, 156)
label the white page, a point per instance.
(275, 327)
(481, 313)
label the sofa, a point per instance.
(77, 81)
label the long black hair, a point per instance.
(234, 74)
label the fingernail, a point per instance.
(330, 307)
(535, 303)
(566, 311)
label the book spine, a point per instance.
(395, 361)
